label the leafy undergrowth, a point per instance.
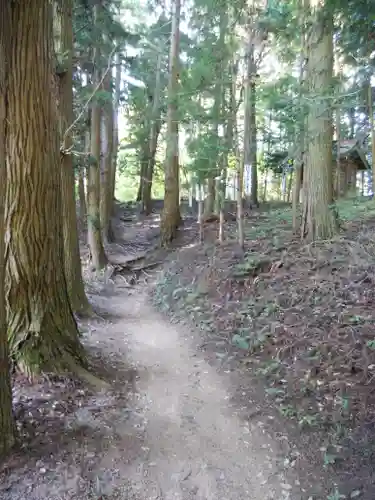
(300, 317)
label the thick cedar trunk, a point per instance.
(7, 428)
(94, 233)
(105, 187)
(171, 217)
(43, 334)
(116, 141)
(73, 272)
(319, 220)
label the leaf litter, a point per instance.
(299, 317)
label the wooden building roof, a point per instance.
(353, 149)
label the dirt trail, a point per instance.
(195, 446)
(169, 429)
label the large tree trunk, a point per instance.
(43, 334)
(105, 187)
(7, 428)
(94, 233)
(171, 217)
(63, 30)
(319, 220)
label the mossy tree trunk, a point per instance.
(319, 219)
(94, 233)
(63, 31)
(43, 334)
(171, 217)
(7, 428)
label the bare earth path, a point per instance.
(169, 429)
(195, 446)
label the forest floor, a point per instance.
(258, 384)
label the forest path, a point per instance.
(194, 443)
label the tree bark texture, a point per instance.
(94, 233)
(153, 140)
(43, 334)
(7, 428)
(107, 150)
(319, 219)
(171, 217)
(82, 195)
(116, 141)
(63, 31)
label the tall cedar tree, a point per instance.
(7, 429)
(63, 31)
(319, 220)
(94, 233)
(43, 334)
(171, 217)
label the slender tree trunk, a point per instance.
(116, 141)
(43, 334)
(82, 195)
(7, 427)
(254, 166)
(300, 134)
(147, 187)
(372, 126)
(250, 152)
(143, 159)
(289, 187)
(265, 187)
(209, 202)
(239, 164)
(171, 217)
(153, 140)
(94, 233)
(337, 175)
(320, 221)
(105, 186)
(63, 30)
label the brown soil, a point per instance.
(186, 416)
